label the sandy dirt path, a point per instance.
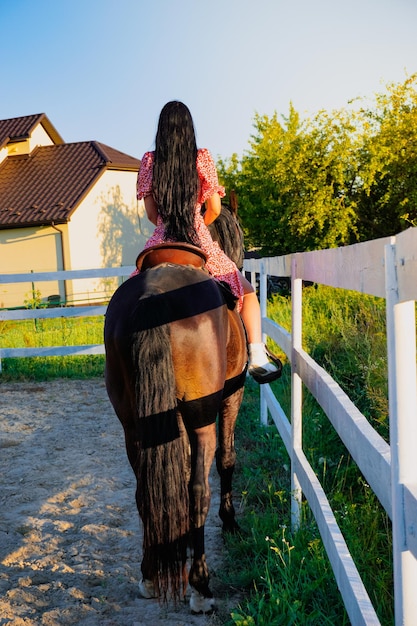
(70, 544)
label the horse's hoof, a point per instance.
(231, 529)
(147, 589)
(200, 604)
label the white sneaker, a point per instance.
(260, 368)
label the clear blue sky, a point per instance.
(103, 69)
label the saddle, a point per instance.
(176, 252)
(180, 254)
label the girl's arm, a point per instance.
(213, 208)
(151, 209)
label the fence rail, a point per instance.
(386, 268)
(91, 310)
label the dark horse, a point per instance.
(176, 360)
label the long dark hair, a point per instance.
(175, 183)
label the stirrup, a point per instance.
(261, 375)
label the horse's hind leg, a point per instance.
(226, 459)
(203, 444)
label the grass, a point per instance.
(52, 332)
(61, 331)
(49, 368)
(285, 577)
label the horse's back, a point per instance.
(182, 290)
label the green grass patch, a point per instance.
(49, 368)
(51, 332)
(61, 331)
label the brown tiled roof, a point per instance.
(116, 159)
(22, 127)
(47, 185)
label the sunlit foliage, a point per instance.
(337, 178)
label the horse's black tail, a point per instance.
(162, 471)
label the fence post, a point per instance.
(296, 390)
(401, 348)
(263, 297)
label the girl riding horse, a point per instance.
(174, 181)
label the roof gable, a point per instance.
(18, 128)
(47, 185)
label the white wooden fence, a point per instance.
(386, 268)
(57, 312)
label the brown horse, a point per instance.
(176, 360)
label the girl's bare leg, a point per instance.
(251, 313)
(259, 365)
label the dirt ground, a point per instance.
(70, 544)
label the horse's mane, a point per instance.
(227, 231)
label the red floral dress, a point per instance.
(218, 264)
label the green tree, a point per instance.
(387, 198)
(293, 183)
(337, 178)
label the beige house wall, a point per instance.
(25, 250)
(39, 137)
(108, 229)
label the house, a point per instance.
(64, 206)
